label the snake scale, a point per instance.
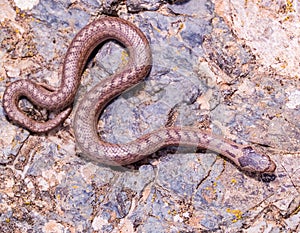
(86, 117)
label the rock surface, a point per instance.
(230, 67)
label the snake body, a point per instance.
(86, 117)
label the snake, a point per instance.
(60, 100)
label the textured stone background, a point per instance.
(231, 67)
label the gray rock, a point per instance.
(203, 74)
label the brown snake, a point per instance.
(139, 65)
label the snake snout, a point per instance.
(253, 161)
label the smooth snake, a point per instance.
(86, 117)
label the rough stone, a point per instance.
(230, 67)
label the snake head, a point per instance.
(253, 161)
